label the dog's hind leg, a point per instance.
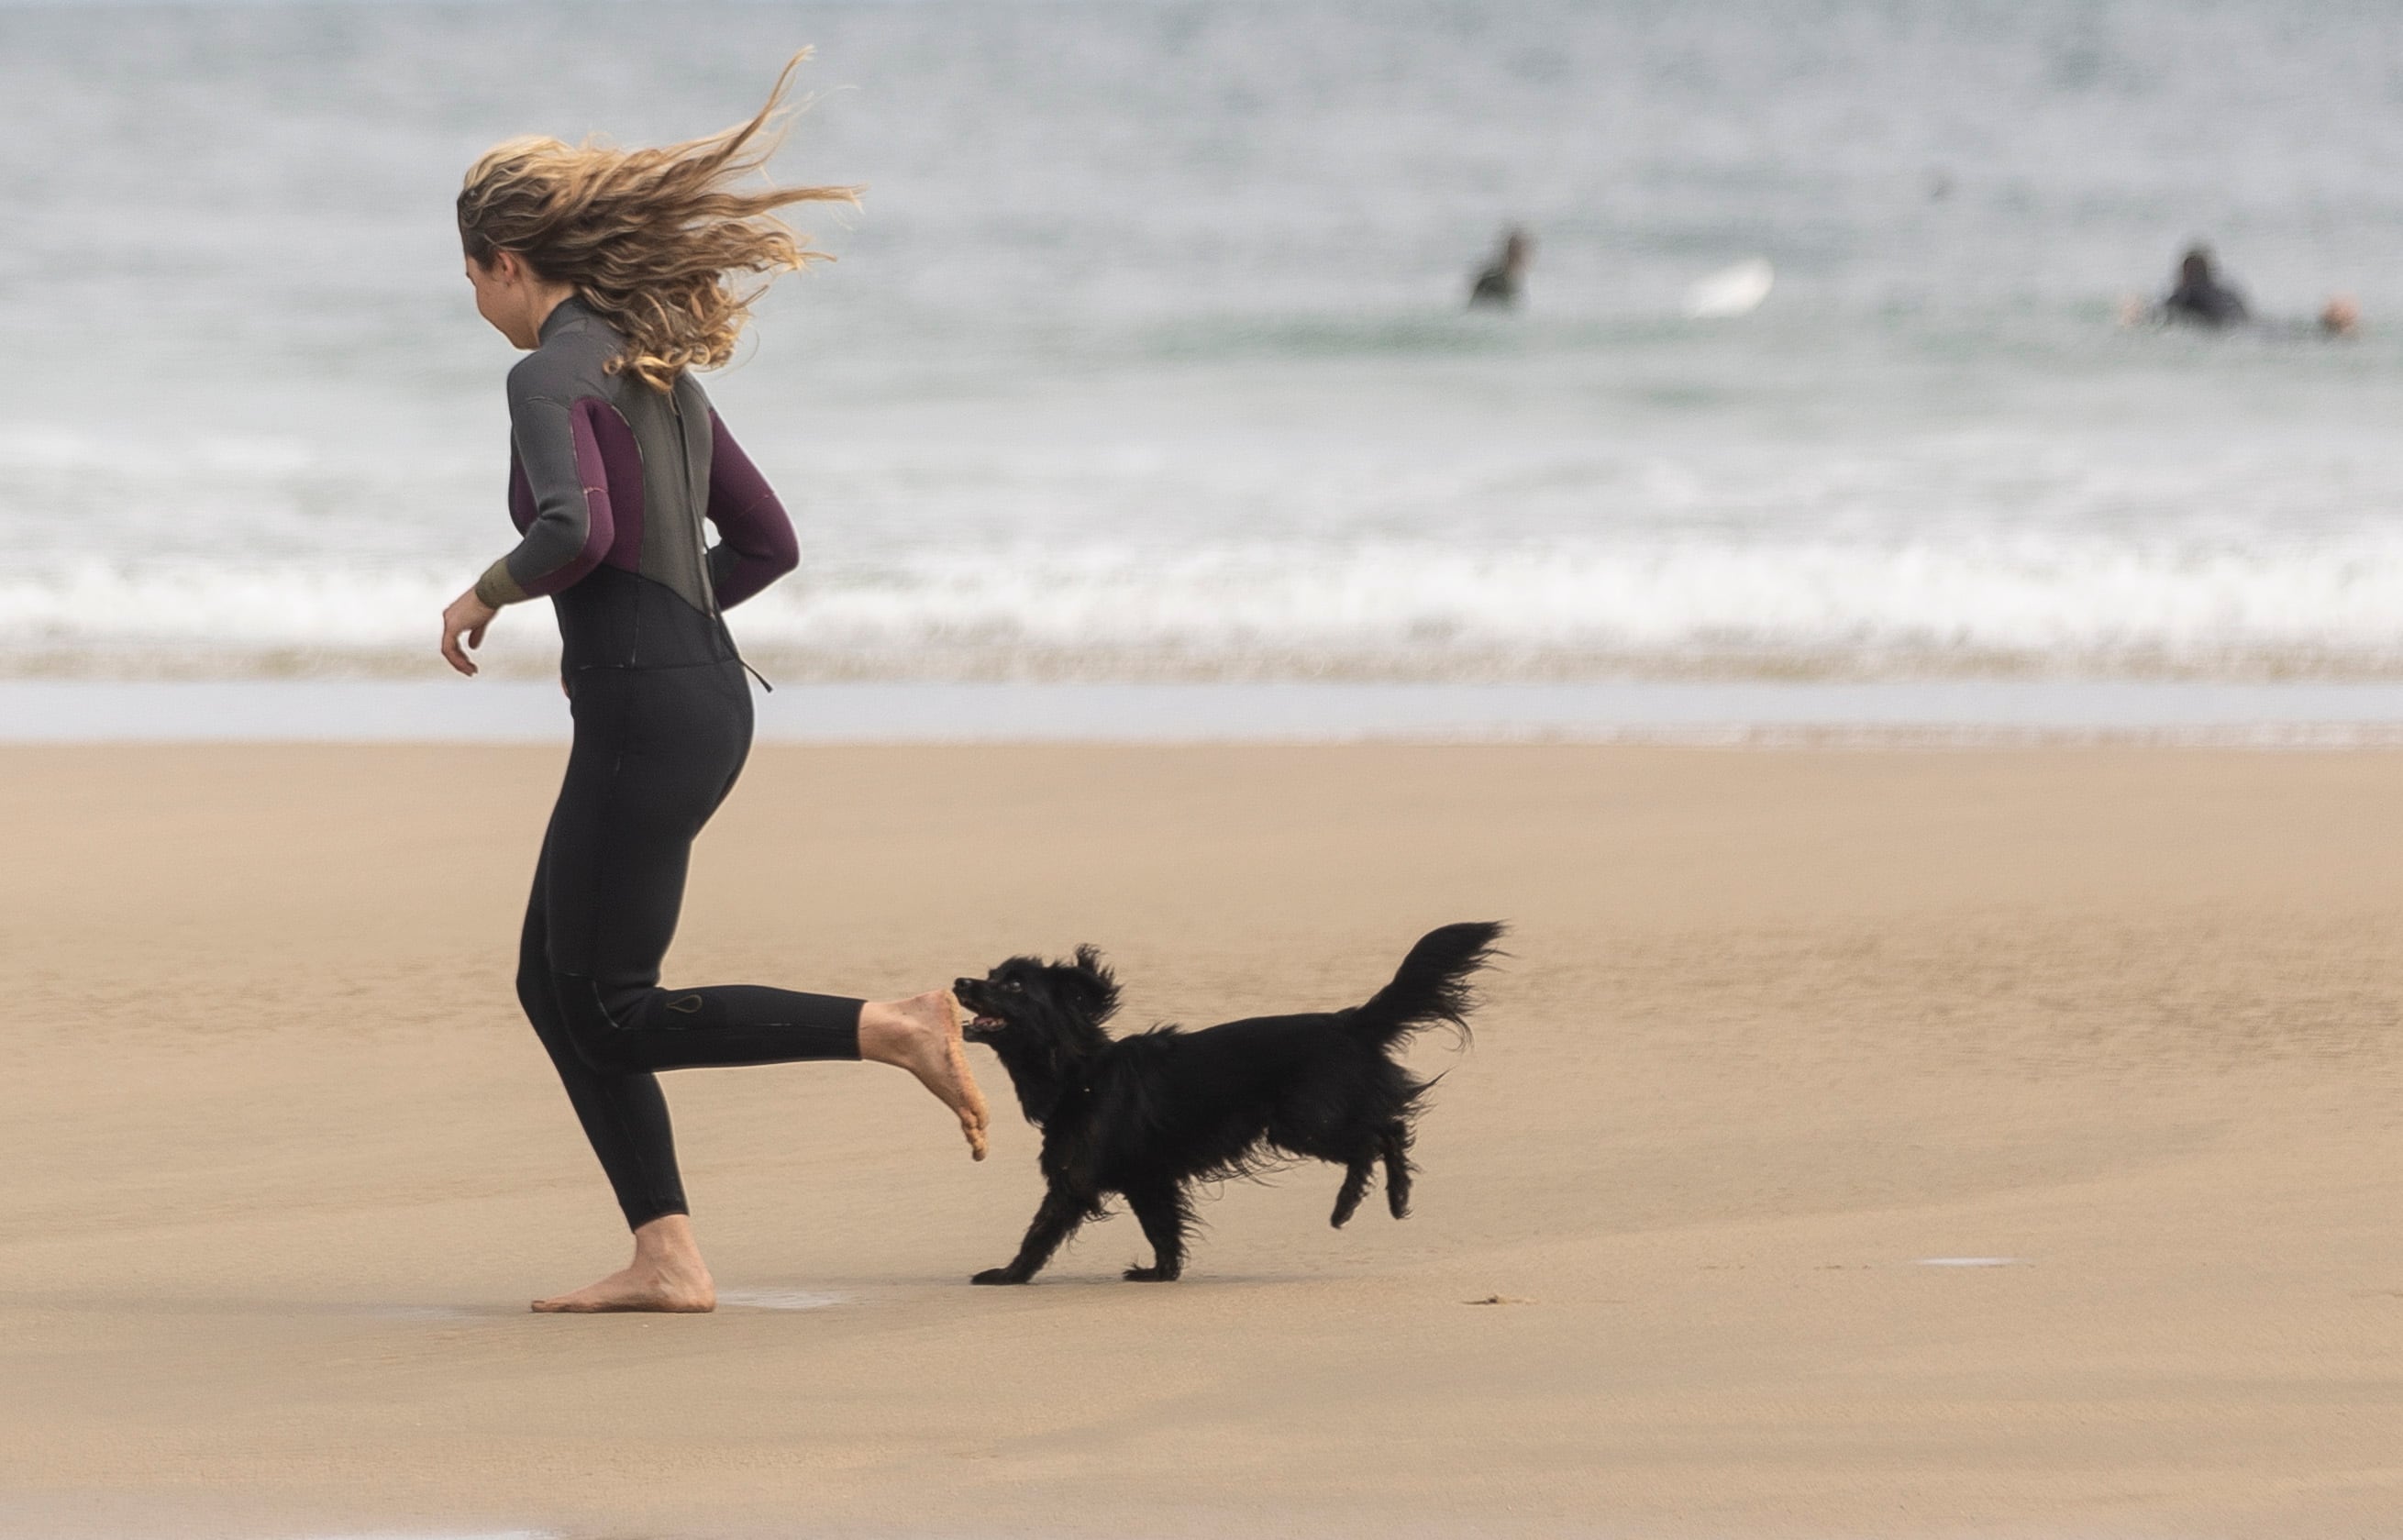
(1058, 1218)
(1161, 1212)
(1356, 1186)
(1395, 1141)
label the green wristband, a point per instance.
(497, 588)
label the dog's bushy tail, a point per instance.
(1431, 985)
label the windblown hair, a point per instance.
(649, 238)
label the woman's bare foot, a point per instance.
(922, 1034)
(667, 1275)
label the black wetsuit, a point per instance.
(609, 484)
(1496, 285)
(2205, 301)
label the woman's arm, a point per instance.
(558, 455)
(556, 468)
(756, 544)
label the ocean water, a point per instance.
(1144, 358)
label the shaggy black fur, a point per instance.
(1148, 1115)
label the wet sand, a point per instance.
(283, 1165)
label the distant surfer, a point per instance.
(2201, 298)
(1498, 283)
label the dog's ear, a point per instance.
(1098, 984)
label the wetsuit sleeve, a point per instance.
(572, 526)
(755, 543)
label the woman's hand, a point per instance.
(467, 615)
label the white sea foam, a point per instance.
(1400, 608)
(2059, 602)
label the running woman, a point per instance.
(617, 271)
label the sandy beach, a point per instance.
(285, 1164)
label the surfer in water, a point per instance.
(1498, 283)
(2201, 298)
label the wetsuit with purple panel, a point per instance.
(614, 487)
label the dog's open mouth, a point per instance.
(974, 996)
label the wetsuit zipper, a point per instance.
(701, 543)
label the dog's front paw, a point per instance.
(996, 1275)
(1149, 1275)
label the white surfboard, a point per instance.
(1731, 291)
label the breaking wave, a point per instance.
(1398, 609)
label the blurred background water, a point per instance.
(1146, 356)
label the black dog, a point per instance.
(1148, 1115)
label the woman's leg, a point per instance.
(654, 755)
(667, 1273)
(624, 1116)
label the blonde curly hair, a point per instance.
(648, 237)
